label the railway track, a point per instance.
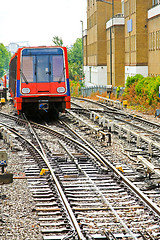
(82, 195)
(139, 136)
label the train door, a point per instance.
(43, 73)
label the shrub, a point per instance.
(143, 93)
(133, 79)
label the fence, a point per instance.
(87, 91)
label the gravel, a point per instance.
(18, 221)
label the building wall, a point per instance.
(154, 41)
(136, 36)
(97, 15)
(95, 75)
(115, 26)
(135, 46)
(119, 61)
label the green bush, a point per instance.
(143, 93)
(149, 88)
(131, 80)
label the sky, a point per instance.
(38, 21)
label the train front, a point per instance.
(44, 80)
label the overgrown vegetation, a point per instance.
(142, 93)
(75, 61)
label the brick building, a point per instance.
(122, 39)
(136, 37)
(95, 41)
(154, 39)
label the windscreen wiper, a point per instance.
(24, 77)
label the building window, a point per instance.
(126, 9)
(152, 41)
(133, 6)
(155, 2)
(127, 44)
(133, 43)
(129, 25)
(123, 7)
(158, 40)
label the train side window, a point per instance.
(13, 74)
(58, 68)
(27, 68)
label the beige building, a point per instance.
(136, 37)
(115, 50)
(95, 41)
(122, 39)
(154, 39)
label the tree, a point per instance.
(57, 41)
(75, 60)
(4, 60)
(75, 57)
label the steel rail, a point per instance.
(103, 161)
(100, 193)
(117, 111)
(64, 199)
(106, 163)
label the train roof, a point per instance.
(36, 47)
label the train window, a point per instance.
(27, 69)
(43, 72)
(13, 74)
(58, 68)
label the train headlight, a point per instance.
(26, 90)
(61, 89)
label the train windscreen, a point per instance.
(58, 68)
(43, 68)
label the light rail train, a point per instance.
(39, 80)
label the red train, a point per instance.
(39, 80)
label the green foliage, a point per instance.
(133, 79)
(149, 88)
(4, 60)
(118, 91)
(57, 41)
(75, 60)
(143, 93)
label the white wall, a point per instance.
(133, 70)
(95, 75)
